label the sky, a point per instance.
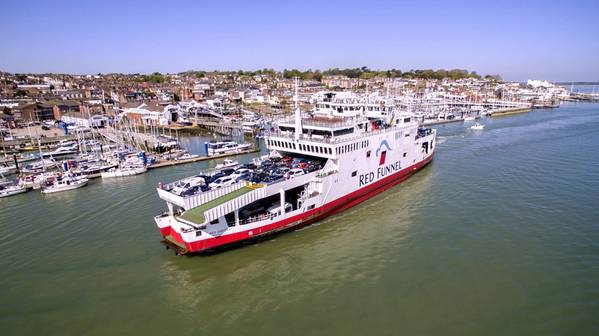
(551, 40)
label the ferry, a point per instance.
(225, 147)
(347, 151)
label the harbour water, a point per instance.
(498, 236)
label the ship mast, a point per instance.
(298, 116)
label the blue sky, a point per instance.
(554, 40)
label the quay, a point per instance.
(170, 163)
(509, 111)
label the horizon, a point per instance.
(520, 41)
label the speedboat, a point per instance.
(64, 184)
(39, 166)
(227, 163)
(10, 190)
(477, 127)
(187, 156)
(124, 171)
(63, 150)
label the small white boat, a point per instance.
(227, 163)
(225, 147)
(64, 184)
(477, 127)
(10, 190)
(187, 156)
(124, 171)
(469, 119)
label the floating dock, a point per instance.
(171, 163)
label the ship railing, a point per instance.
(334, 139)
(250, 220)
(346, 122)
(422, 132)
(193, 201)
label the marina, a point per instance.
(306, 168)
(486, 233)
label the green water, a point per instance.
(498, 236)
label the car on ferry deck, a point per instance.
(222, 182)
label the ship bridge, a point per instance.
(322, 136)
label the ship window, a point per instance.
(406, 120)
(311, 206)
(407, 135)
(404, 154)
(354, 173)
(214, 222)
(368, 154)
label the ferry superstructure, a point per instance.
(359, 155)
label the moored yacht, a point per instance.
(63, 183)
(225, 147)
(124, 171)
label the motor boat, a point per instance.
(227, 163)
(477, 127)
(225, 147)
(469, 118)
(39, 166)
(10, 190)
(124, 171)
(64, 183)
(187, 156)
(7, 170)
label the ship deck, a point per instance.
(196, 215)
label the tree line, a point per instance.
(317, 75)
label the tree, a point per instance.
(20, 93)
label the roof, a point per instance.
(196, 215)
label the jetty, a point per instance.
(170, 163)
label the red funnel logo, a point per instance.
(381, 152)
(382, 159)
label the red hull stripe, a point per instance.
(308, 217)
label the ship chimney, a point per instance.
(298, 115)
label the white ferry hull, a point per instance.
(267, 227)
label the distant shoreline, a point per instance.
(577, 83)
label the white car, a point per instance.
(294, 172)
(181, 186)
(222, 182)
(239, 172)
